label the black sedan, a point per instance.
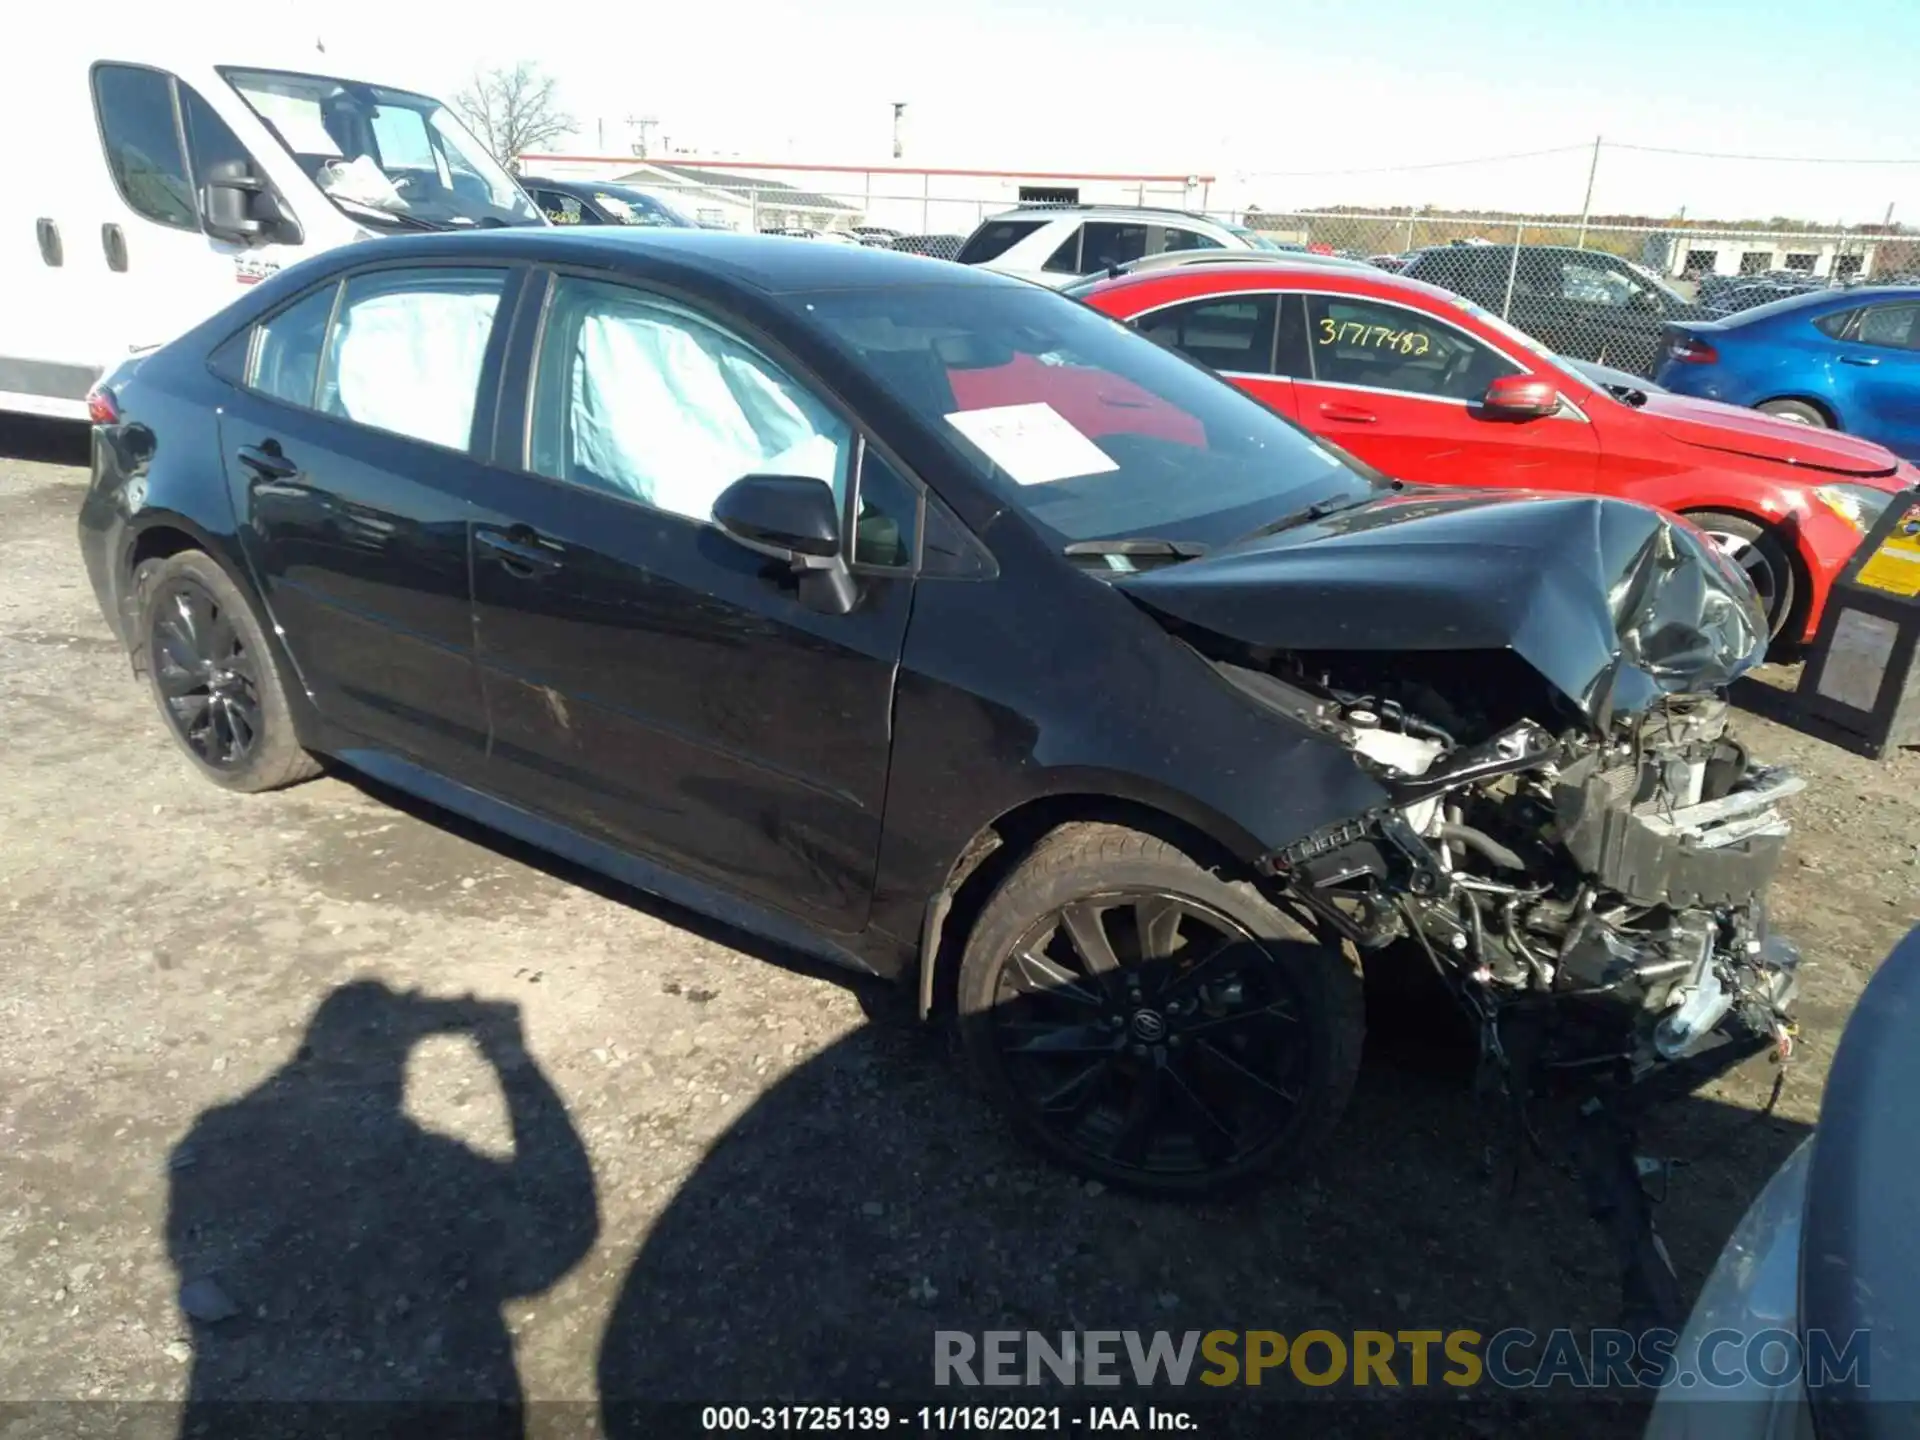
(927, 619)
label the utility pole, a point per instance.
(899, 112)
(641, 125)
(1586, 206)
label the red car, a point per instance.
(1433, 389)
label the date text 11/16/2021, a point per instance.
(942, 1419)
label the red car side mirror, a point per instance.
(1520, 397)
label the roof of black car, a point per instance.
(774, 263)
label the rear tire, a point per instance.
(213, 676)
(1798, 411)
(1761, 553)
(1151, 1024)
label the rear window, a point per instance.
(994, 239)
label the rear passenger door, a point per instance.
(1879, 365)
(1237, 336)
(350, 452)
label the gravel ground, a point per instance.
(408, 1110)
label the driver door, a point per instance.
(1400, 388)
(650, 681)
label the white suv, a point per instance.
(1055, 244)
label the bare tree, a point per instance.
(514, 110)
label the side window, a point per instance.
(639, 397)
(1889, 326)
(1230, 333)
(994, 239)
(1105, 243)
(561, 209)
(142, 142)
(1595, 285)
(885, 528)
(1174, 238)
(406, 350)
(1387, 347)
(210, 140)
(287, 349)
(1066, 259)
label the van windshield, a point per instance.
(384, 157)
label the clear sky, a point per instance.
(1252, 91)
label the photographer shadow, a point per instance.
(343, 1268)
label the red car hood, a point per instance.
(1714, 426)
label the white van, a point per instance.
(149, 186)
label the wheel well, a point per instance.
(1002, 844)
(159, 542)
(1812, 403)
(1802, 577)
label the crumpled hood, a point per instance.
(1615, 604)
(1729, 428)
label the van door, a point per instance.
(163, 272)
(50, 264)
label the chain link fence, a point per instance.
(1593, 291)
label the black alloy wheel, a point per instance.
(1152, 1033)
(208, 679)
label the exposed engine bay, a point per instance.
(1567, 831)
(1621, 878)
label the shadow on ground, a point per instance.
(50, 442)
(330, 1249)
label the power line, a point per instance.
(1770, 159)
(1429, 165)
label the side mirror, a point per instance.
(1520, 397)
(237, 205)
(794, 519)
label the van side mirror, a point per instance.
(237, 204)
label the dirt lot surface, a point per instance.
(708, 1170)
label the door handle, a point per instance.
(521, 551)
(266, 461)
(1351, 413)
(1859, 359)
(48, 234)
(113, 240)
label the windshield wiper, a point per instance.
(1147, 547)
(380, 212)
(1319, 510)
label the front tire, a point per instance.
(1151, 1024)
(214, 678)
(1759, 552)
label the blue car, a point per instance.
(1840, 359)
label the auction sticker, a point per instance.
(1895, 566)
(1035, 444)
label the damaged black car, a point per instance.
(929, 620)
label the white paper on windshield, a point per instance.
(1034, 444)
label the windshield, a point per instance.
(628, 206)
(1091, 430)
(384, 156)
